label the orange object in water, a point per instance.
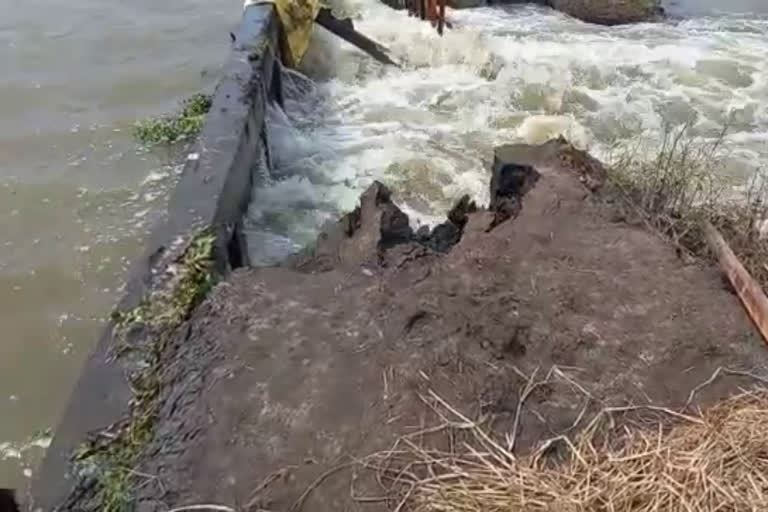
(749, 291)
(431, 10)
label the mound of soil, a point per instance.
(285, 373)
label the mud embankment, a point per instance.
(285, 378)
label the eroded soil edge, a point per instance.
(284, 373)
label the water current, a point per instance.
(502, 75)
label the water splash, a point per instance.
(518, 74)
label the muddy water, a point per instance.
(75, 196)
(503, 75)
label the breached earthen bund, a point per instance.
(285, 373)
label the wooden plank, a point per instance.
(441, 18)
(749, 291)
(345, 30)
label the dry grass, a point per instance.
(715, 461)
(740, 223)
(686, 184)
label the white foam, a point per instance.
(540, 129)
(502, 75)
(9, 450)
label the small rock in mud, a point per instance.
(510, 181)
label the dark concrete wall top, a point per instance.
(213, 192)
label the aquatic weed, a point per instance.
(170, 129)
(109, 458)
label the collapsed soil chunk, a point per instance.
(510, 181)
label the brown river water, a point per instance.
(77, 198)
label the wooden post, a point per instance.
(346, 30)
(748, 290)
(441, 18)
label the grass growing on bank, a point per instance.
(683, 186)
(169, 129)
(109, 460)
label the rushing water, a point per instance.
(75, 196)
(501, 75)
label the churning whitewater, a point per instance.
(518, 74)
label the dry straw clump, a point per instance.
(714, 461)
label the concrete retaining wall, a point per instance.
(213, 192)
